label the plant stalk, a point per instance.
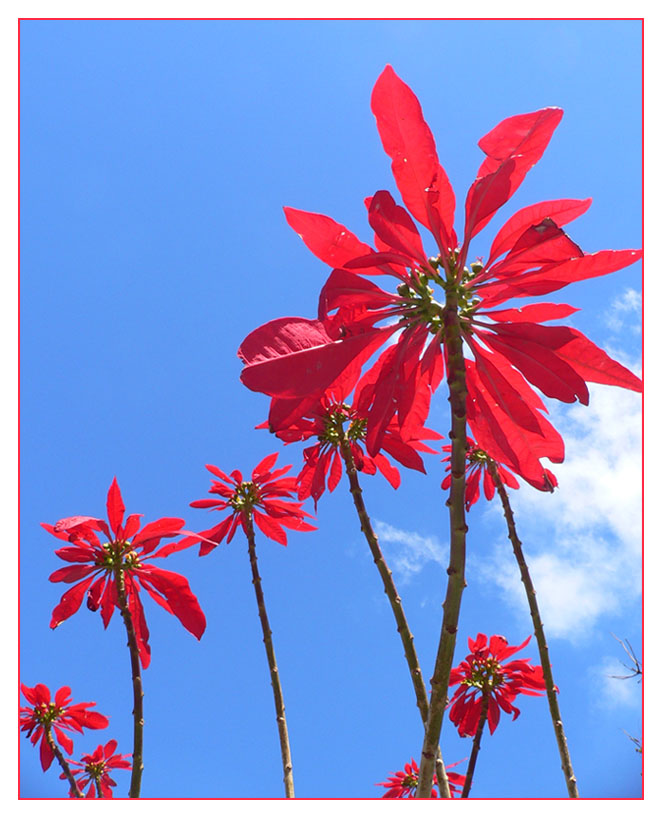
(475, 749)
(456, 379)
(286, 757)
(138, 717)
(566, 764)
(391, 592)
(62, 761)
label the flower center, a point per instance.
(46, 714)
(245, 497)
(95, 770)
(485, 674)
(118, 554)
(334, 422)
(418, 304)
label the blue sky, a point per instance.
(156, 158)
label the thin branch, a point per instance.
(136, 678)
(62, 762)
(561, 741)
(475, 748)
(391, 592)
(286, 757)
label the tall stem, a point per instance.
(456, 378)
(66, 769)
(395, 600)
(138, 718)
(286, 757)
(475, 749)
(566, 764)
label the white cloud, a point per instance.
(614, 693)
(616, 316)
(583, 542)
(413, 551)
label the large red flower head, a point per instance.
(125, 553)
(266, 498)
(478, 462)
(484, 674)
(444, 297)
(403, 784)
(332, 420)
(46, 715)
(93, 769)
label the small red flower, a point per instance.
(125, 552)
(478, 461)
(483, 672)
(57, 715)
(267, 491)
(94, 767)
(403, 784)
(326, 419)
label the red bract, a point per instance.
(478, 462)
(483, 672)
(94, 767)
(403, 784)
(56, 715)
(266, 497)
(124, 553)
(530, 256)
(326, 418)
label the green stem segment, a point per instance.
(97, 784)
(456, 378)
(566, 764)
(395, 600)
(62, 761)
(138, 719)
(475, 749)
(286, 757)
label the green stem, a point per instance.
(62, 762)
(566, 764)
(456, 378)
(97, 784)
(391, 592)
(475, 749)
(138, 718)
(286, 757)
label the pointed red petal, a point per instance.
(561, 210)
(115, 506)
(407, 139)
(328, 240)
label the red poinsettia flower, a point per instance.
(478, 462)
(266, 497)
(483, 672)
(46, 715)
(403, 784)
(530, 256)
(325, 418)
(126, 549)
(94, 768)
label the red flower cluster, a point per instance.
(124, 553)
(403, 784)
(58, 715)
(296, 358)
(478, 462)
(482, 673)
(266, 490)
(94, 767)
(326, 418)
